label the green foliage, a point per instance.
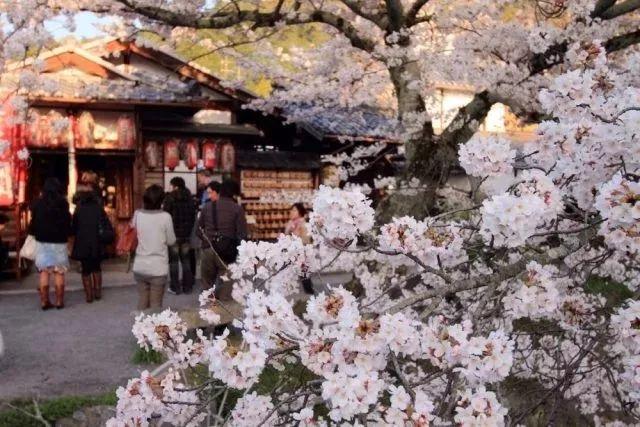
(615, 293)
(51, 410)
(147, 357)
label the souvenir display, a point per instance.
(270, 218)
(210, 154)
(227, 158)
(126, 132)
(171, 154)
(191, 153)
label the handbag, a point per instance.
(106, 233)
(226, 247)
(128, 241)
(28, 249)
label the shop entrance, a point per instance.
(47, 165)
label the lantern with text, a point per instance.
(152, 155)
(171, 154)
(227, 158)
(191, 153)
(210, 155)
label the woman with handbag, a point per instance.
(92, 230)
(51, 227)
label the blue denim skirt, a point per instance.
(52, 257)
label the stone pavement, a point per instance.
(84, 349)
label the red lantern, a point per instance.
(210, 155)
(191, 153)
(227, 157)
(171, 154)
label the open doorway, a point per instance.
(47, 165)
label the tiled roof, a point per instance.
(342, 122)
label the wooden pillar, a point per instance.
(71, 152)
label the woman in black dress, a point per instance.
(87, 246)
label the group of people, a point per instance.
(171, 229)
(52, 225)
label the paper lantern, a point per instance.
(191, 151)
(210, 155)
(227, 158)
(171, 154)
(151, 155)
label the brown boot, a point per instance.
(97, 285)
(45, 304)
(88, 287)
(59, 296)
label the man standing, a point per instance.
(179, 204)
(204, 178)
(223, 225)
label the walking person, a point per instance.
(92, 230)
(154, 228)
(51, 227)
(223, 225)
(180, 205)
(297, 226)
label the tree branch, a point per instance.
(502, 274)
(227, 19)
(412, 14)
(620, 9)
(356, 8)
(601, 6)
(622, 41)
(395, 12)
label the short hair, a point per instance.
(89, 178)
(206, 172)
(229, 188)
(300, 208)
(4, 219)
(178, 182)
(214, 186)
(153, 197)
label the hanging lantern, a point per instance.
(191, 151)
(227, 158)
(152, 155)
(210, 154)
(171, 154)
(126, 132)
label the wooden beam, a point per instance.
(70, 59)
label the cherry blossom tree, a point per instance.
(475, 316)
(482, 314)
(395, 53)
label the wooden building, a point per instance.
(139, 115)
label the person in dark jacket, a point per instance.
(87, 247)
(230, 222)
(180, 205)
(51, 227)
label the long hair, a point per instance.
(52, 193)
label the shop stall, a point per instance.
(270, 183)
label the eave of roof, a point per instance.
(203, 129)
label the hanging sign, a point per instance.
(85, 130)
(126, 132)
(6, 184)
(227, 158)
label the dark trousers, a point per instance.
(179, 256)
(211, 268)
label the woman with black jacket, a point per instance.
(51, 227)
(87, 245)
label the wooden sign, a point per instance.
(228, 158)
